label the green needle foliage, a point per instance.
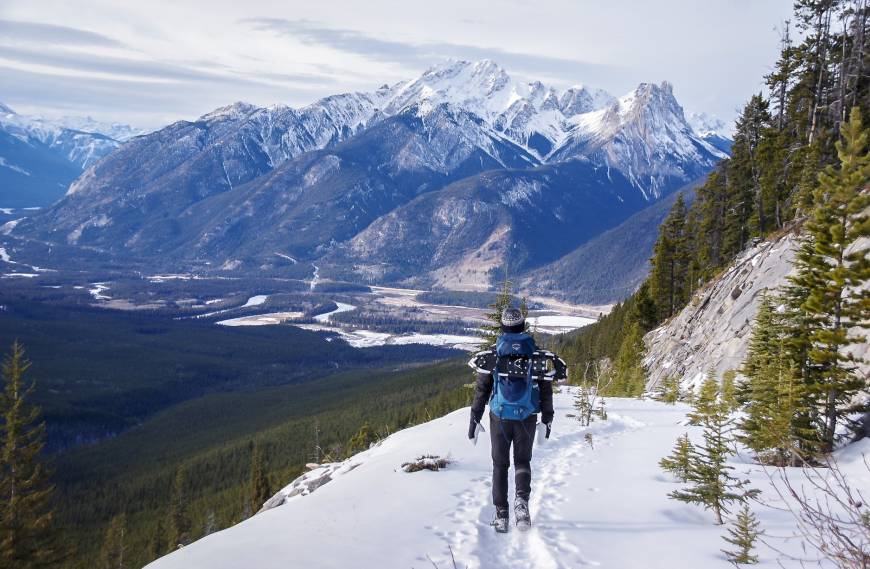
(260, 487)
(776, 411)
(27, 536)
(707, 401)
(742, 536)
(179, 514)
(628, 375)
(112, 554)
(669, 390)
(829, 279)
(678, 462)
(708, 477)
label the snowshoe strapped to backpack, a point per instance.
(515, 395)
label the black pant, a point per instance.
(501, 435)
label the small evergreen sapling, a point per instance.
(669, 391)
(729, 390)
(709, 479)
(706, 400)
(678, 462)
(742, 536)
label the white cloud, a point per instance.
(155, 61)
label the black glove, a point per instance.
(472, 427)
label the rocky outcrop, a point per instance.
(713, 331)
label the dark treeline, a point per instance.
(782, 142)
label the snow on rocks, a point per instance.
(601, 504)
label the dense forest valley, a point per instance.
(142, 380)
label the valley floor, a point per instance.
(599, 499)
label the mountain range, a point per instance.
(39, 157)
(449, 180)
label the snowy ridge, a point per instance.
(81, 140)
(644, 134)
(594, 489)
(550, 125)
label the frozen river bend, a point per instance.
(599, 499)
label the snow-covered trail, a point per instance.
(598, 505)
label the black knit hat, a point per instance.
(512, 320)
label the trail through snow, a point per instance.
(602, 504)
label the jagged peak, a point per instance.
(4, 109)
(237, 110)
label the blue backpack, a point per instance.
(515, 395)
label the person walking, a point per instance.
(516, 379)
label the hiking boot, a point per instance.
(521, 511)
(501, 521)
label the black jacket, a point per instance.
(484, 361)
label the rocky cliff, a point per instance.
(713, 331)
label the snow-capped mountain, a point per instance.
(82, 140)
(320, 181)
(39, 157)
(644, 135)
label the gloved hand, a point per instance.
(543, 432)
(474, 428)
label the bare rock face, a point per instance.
(713, 331)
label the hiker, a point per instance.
(516, 378)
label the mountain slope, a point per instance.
(31, 174)
(475, 226)
(610, 266)
(39, 158)
(297, 208)
(586, 498)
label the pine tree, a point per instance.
(728, 390)
(669, 390)
(627, 375)
(157, 544)
(679, 461)
(832, 274)
(775, 405)
(361, 440)
(709, 476)
(113, 551)
(179, 516)
(27, 538)
(743, 536)
(767, 331)
(491, 331)
(707, 400)
(668, 275)
(260, 490)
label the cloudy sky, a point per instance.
(152, 62)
